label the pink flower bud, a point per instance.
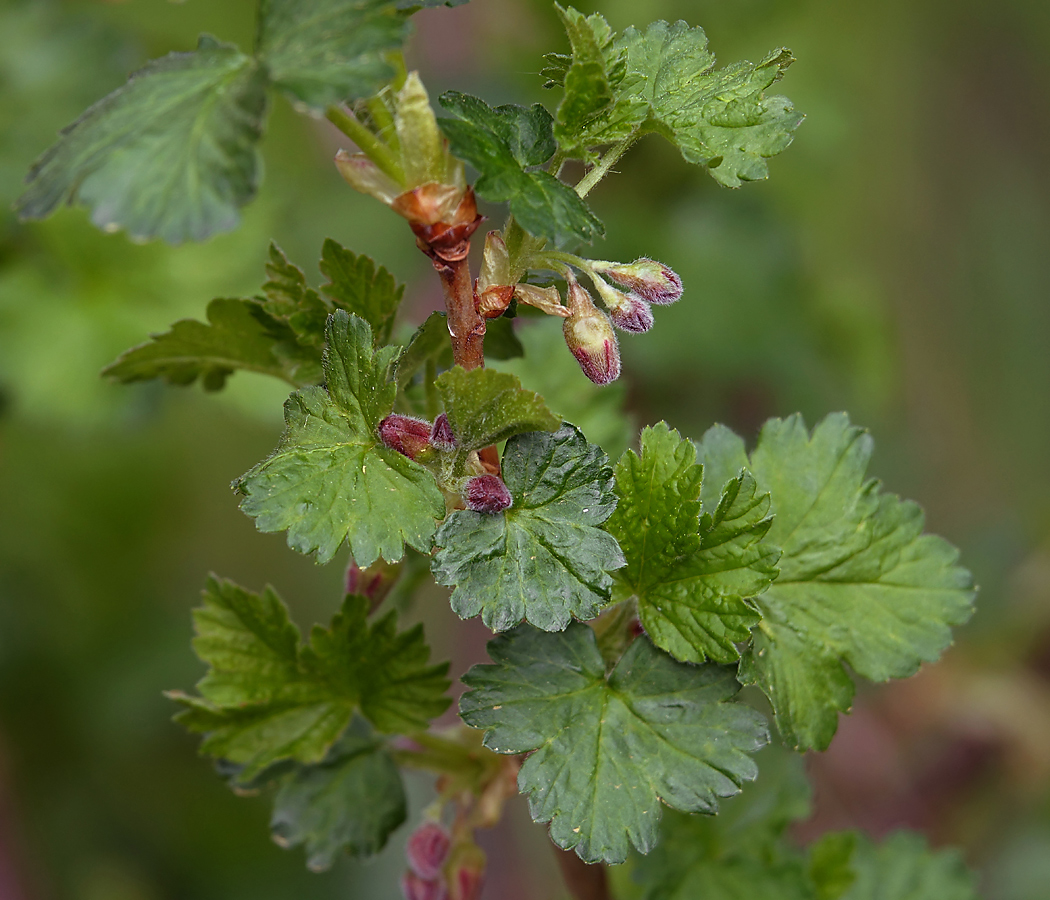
(466, 872)
(373, 583)
(487, 494)
(441, 435)
(651, 280)
(589, 336)
(628, 312)
(416, 888)
(406, 435)
(427, 850)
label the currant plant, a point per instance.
(632, 601)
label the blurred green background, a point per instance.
(896, 264)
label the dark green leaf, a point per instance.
(608, 750)
(234, 339)
(546, 559)
(265, 698)
(691, 576)
(859, 582)
(330, 479)
(902, 868)
(329, 51)
(430, 342)
(350, 802)
(172, 154)
(485, 407)
(500, 340)
(502, 144)
(356, 285)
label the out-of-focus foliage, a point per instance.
(893, 265)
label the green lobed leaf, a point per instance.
(692, 576)
(609, 749)
(358, 286)
(546, 559)
(234, 339)
(329, 51)
(265, 698)
(720, 119)
(859, 582)
(350, 802)
(485, 407)
(294, 311)
(503, 144)
(903, 868)
(172, 154)
(831, 864)
(330, 478)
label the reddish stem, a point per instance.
(584, 881)
(465, 324)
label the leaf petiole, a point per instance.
(366, 140)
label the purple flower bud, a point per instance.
(487, 494)
(406, 435)
(589, 335)
(416, 888)
(373, 583)
(427, 850)
(441, 435)
(635, 315)
(651, 280)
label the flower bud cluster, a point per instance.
(437, 870)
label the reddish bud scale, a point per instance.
(651, 280)
(441, 435)
(416, 888)
(406, 435)
(427, 850)
(634, 316)
(487, 494)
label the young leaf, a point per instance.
(265, 698)
(330, 478)
(720, 118)
(691, 578)
(503, 144)
(356, 285)
(902, 866)
(859, 582)
(234, 339)
(349, 802)
(172, 154)
(296, 309)
(546, 559)
(329, 51)
(485, 407)
(609, 749)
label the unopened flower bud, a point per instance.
(373, 583)
(441, 435)
(487, 494)
(427, 850)
(466, 872)
(406, 435)
(589, 335)
(651, 280)
(416, 888)
(628, 312)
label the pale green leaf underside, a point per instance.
(607, 751)
(266, 698)
(330, 479)
(546, 559)
(172, 154)
(329, 51)
(348, 803)
(692, 578)
(485, 407)
(859, 582)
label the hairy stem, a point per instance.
(466, 327)
(584, 881)
(369, 144)
(604, 165)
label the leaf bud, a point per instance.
(590, 337)
(441, 435)
(427, 849)
(406, 435)
(651, 280)
(466, 872)
(487, 494)
(629, 312)
(416, 888)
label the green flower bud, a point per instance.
(651, 280)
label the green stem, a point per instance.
(370, 145)
(384, 122)
(604, 165)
